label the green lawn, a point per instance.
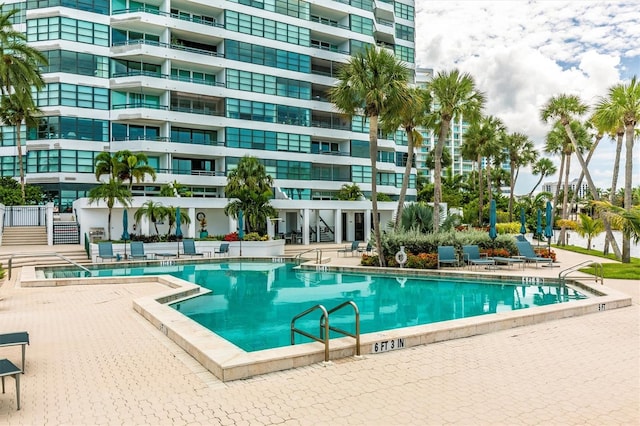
(621, 271)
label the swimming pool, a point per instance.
(251, 304)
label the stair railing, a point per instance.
(58, 255)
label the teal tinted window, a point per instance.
(8, 135)
(55, 94)
(404, 11)
(54, 28)
(404, 32)
(194, 136)
(357, 46)
(359, 124)
(70, 161)
(266, 28)
(85, 129)
(405, 53)
(360, 149)
(95, 6)
(361, 174)
(270, 141)
(361, 25)
(268, 56)
(8, 166)
(19, 16)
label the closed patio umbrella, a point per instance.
(523, 222)
(539, 226)
(178, 229)
(492, 220)
(548, 230)
(125, 230)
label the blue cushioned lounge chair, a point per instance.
(105, 250)
(222, 250)
(137, 250)
(472, 257)
(350, 249)
(447, 256)
(189, 247)
(526, 250)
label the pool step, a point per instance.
(76, 254)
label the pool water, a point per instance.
(251, 304)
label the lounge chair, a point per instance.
(189, 247)
(526, 251)
(137, 250)
(222, 250)
(350, 249)
(447, 256)
(7, 368)
(105, 251)
(472, 257)
(368, 250)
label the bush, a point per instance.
(544, 252)
(254, 236)
(231, 237)
(422, 261)
(508, 228)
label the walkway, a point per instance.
(93, 360)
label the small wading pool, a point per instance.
(251, 304)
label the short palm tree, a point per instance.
(453, 94)
(16, 108)
(250, 186)
(154, 211)
(589, 227)
(372, 83)
(134, 166)
(110, 192)
(171, 213)
(627, 220)
(350, 192)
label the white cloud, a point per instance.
(523, 53)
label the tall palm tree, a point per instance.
(372, 82)
(106, 163)
(623, 105)
(110, 192)
(454, 94)
(563, 108)
(19, 62)
(543, 167)
(482, 139)
(521, 152)
(16, 108)
(410, 115)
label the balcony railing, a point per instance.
(191, 172)
(197, 20)
(139, 73)
(173, 46)
(140, 105)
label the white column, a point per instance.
(367, 225)
(49, 214)
(337, 216)
(191, 230)
(305, 226)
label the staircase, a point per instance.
(24, 236)
(75, 253)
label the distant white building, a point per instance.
(551, 187)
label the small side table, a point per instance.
(7, 368)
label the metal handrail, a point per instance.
(325, 327)
(310, 336)
(318, 251)
(60, 256)
(562, 275)
(355, 335)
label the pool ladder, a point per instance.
(325, 327)
(598, 271)
(318, 252)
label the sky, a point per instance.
(521, 53)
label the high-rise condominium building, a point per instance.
(198, 84)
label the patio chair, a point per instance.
(526, 251)
(105, 251)
(189, 248)
(368, 250)
(7, 368)
(137, 250)
(222, 250)
(350, 249)
(447, 256)
(472, 257)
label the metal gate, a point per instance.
(25, 216)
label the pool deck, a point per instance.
(94, 360)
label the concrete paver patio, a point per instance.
(93, 360)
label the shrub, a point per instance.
(422, 261)
(231, 237)
(508, 228)
(544, 252)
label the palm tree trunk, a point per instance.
(437, 172)
(512, 184)
(373, 153)
(565, 200)
(614, 181)
(628, 186)
(559, 184)
(20, 164)
(592, 187)
(480, 192)
(574, 197)
(405, 180)
(109, 225)
(536, 185)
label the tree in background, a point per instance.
(589, 227)
(154, 211)
(521, 153)
(350, 192)
(110, 192)
(543, 167)
(11, 194)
